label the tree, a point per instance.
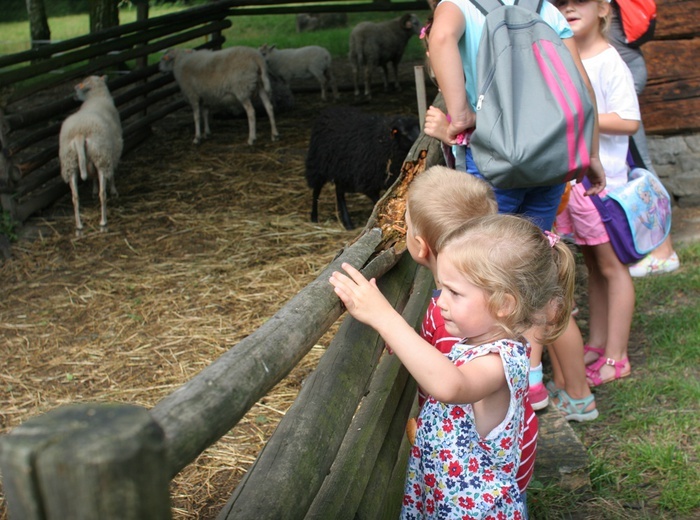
(103, 14)
(38, 23)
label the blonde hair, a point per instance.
(440, 200)
(507, 255)
(605, 21)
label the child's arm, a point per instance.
(613, 124)
(437, 375)
(446, 62)
(595, 173)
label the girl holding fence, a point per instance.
(500, 276)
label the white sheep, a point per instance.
(311, 61)
(378, 44)
(91, 143)
(214, 78)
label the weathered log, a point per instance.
(676, 20)
(86, 461)
(296, 459)
(562, 459)
(367, 435)
(201, 411)
(670, 102)
(384, 492)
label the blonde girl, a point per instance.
(610, 287)
(500, 276)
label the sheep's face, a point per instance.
(266, 50)
(411, 23)
(167, 62)
(83, 88)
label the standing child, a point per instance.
(500, 276)
(455, 35)
(439, 201)
(610, 287)
(663, 259)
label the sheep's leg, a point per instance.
(343, 208)
(356, 77)
(321, 78)
(205, 118)
(270, 113)
(250, 111)
(314, 202)
(368, 80)
(385, 77)
(197, 116)
(112, 187)
(331, 80)
(103, 198)
(395, 67)
(76, 203)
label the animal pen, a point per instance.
(338, 451)
(149, 447)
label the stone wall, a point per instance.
(676, 159)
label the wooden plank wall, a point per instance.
(670, 102)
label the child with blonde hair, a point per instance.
(610, 287)
(439, 201)
(500, 276)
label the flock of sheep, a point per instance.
(363, 154)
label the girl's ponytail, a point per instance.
(562, 303)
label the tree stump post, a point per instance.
(86, 461)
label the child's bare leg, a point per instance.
(597, 304)
(620, 297)
(569, 372)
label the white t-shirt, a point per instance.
(614, 93)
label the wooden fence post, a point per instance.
(8, 172)
(84, 462)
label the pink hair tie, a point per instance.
(552, 237)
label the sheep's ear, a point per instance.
(394, 132)
(104, 78)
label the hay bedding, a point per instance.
(204, 244)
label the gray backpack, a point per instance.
(534, 116)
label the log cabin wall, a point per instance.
(670, 102)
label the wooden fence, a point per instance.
(29, 171)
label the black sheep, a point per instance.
(358, 152)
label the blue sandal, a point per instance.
(552, 390)
(575, 409)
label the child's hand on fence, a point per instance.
(436, 124)
(361, 297)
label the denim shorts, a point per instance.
(538, 204)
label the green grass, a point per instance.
(645, 447)
(246, 30)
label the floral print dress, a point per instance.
(455, 473)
